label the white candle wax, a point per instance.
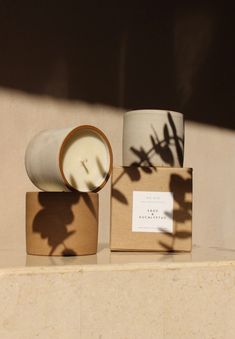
(85, 160)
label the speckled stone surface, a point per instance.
(118, 295)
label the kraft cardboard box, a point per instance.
(151, 209)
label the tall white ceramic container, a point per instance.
(45, 153)
(153, 138)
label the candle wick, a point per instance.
(83, 164)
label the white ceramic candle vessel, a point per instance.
(153, 138)
(69, 159)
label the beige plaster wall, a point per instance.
(209, 150)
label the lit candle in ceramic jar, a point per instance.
(68, 159)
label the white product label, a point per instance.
(152, 212)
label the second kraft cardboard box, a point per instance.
(151, 209)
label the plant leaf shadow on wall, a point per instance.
(53, 220)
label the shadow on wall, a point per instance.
(177, 56)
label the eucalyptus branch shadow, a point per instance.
(52, 222)
(180, 186)
(161, 148)
(85, 197)
(119, 196)
(178, 147)
(184, 186)
(89, 204)
(181, 213)
(90, 185)
(101, 168)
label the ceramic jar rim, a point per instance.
(92, 193)
(154, 111)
